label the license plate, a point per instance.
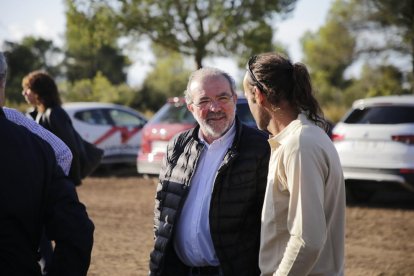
(159, 146)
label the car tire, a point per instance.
(357, 195)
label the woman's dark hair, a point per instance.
(41, 83)
(276, 77)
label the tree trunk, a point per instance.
(198, 60)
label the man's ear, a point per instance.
(258, 96)
(190, 107)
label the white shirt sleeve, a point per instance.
(62, 152)
(306, 218)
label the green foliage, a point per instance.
(81, 90)
(334, 112)
(393, 20)
(98, 89)
(328, 53)
(91, 41)
(335, 47)
(203, 28)
(89, 23)
(382, 80)
(330, 50)
(386, 80)
(257, 40)
(49, 56)
(386, 15)
(168, 78)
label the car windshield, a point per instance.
(178, 113)
(381, 115)
(173, 113)
(122, 118)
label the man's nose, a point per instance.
(214, 105)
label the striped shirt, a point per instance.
(62, 152)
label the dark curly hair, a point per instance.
(280, 80)
(42, 84)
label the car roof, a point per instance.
(385, 100)
(89, 105)
(82, 105)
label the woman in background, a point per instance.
(40, 90)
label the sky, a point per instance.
(46, 18)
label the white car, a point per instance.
(375, 142)
(114, 128)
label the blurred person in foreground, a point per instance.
(63, 154)
(211, 187)
(303, 218)
(40, 90)
(35, 195)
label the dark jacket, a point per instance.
(235, 207)
(35, 195)
(56, 120)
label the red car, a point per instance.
(171, 119)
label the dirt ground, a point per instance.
(379, 235)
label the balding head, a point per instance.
(204, 73)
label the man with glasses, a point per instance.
(303, 219)
(211, 187)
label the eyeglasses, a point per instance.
(219, 100)
(252, 76)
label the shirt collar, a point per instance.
(278, 139)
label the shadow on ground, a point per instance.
(120, 170)
(380, 198)
(117, 170)
(395, 199)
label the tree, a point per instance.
(328, 53)
(383, 80)
(334, 48)
(97, 89)
(204, 28)
(91, 41)
(49, 56)
(168, 78)
(392, 22)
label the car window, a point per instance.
(123, 118)
(244, 114)
(381, 115)
(173, 113)
(94, 117)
